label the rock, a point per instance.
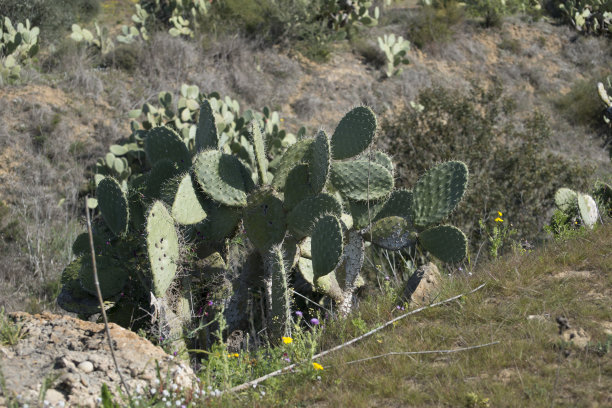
(76, 353)
(578, 337)
(423, 285)
(54, 397)
(86, 367)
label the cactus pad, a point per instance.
(302, 218)
(364, 212)
(220, 223)
(264, 219)
(327, 245)
(392, 233)
(280, 320)
(361, 180)
(72, 297)
(206, 133)
(163, 143)
(438, 192)
(399, 204)
(260, 152)
(354, 133)
(187, 208)
(162, 247)
(80, 246)
(328, 284)
(305, 268)
(384, 160)
(297, 153)
(162, 172)
(566, 199)
(111, 275)
(220, 176)
(298, 186)
(320, 162)
(113, 203)
(588, 210)
(445, 242)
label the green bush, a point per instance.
(511, 169)
(434, 24)
(54, 17)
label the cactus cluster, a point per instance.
(588, 16)
(17, 45)
(345, 14)
(395, 49)
(579, 207)
(310, 211)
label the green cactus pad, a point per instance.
(305, 269)
(297, 153)
(298, 186)
(260, 152)
(438, 192)
(399, 204)
(220, 176)
(566, 199)
(327, 245)
(320, 162)
(111, 275)
(113, 204)
(392, 233)
(280, 320)
(361, 180)
(588, 210)
(162, 247)
(328, 284)
(72, 297)
(163, 143)
(220, 223)
(161, 173)
(301, 219)
(291, 251)
(80, 246)
(188, 207)
(305, 250)
(264, 219)
(206, 133)
(384, 160)
(445, 242)
(354, 133)
(364, 213)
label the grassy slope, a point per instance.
(531, 366)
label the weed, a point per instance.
(10, 332)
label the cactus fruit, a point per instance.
(320, 163)
(220, 176)
(326, 245)
(264, 219)
(445, 242)
(188, 207)
(361, 180)
(113, 204)
(438, 192)
(162, 247)
(354, 133)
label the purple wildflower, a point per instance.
(314, 321)
(299, 314)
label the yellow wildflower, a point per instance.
(317, 366)
(287, 340)
(499, 220)
(500, 214)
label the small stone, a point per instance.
(54, 397)
(86, 366)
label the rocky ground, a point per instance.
(71, 359)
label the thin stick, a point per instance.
(411, 353)
(311, 301)
(356, 339)
(99, 293)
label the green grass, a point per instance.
(10, 332)
(530, 366)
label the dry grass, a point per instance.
(532, 365)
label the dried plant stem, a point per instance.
(101, 301)
(356, 339)
(412, 353)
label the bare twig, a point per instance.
(311, 301)
(356, 339)
(411, 353)
(99, 293)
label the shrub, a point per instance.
(54, 17)
(435, 23)
(511, 168)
